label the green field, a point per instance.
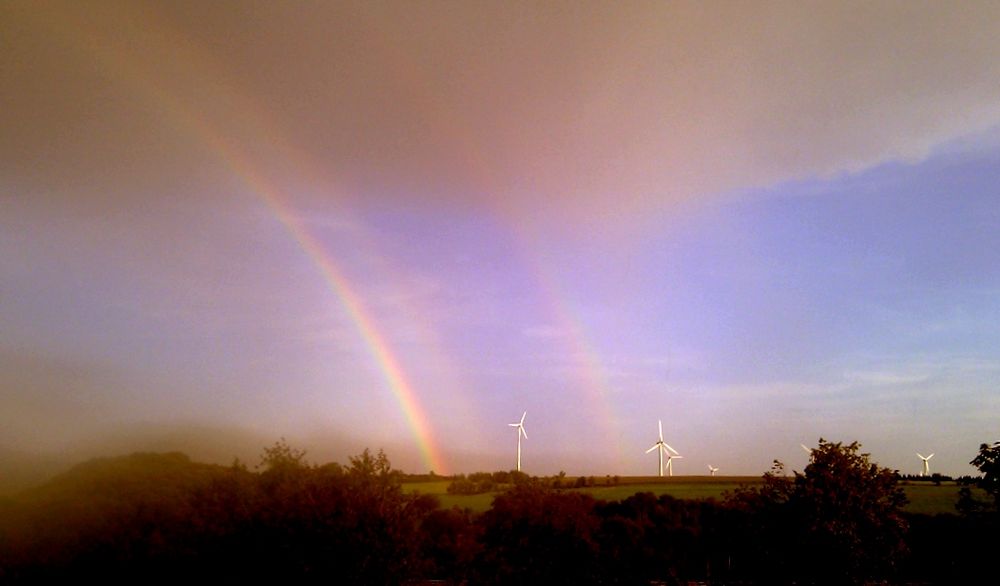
(924, 498)
(927, 498)
(682, 487)
(439, 488)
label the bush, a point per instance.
(839, 521)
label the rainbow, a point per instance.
(118, 59)
(117, 62)
(374, 341)
(592, 378)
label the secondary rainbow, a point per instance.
(124, 66)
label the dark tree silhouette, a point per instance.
(988, 462)
(645, 539)
(535, 535)
(839, 521)
(162, 519)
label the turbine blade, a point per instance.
(671, 449)
(806, 448)
(514, 425)
(659, 423)
(920, 456)
(931, 456)
(524, 433)
(652, 448)
(522, 417)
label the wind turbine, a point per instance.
(927, 467)
(663, 448)
(520, 431)
(712, 469)
(807, 449)
(670, 462)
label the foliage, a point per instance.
(450, 544)
(951, 549)
(852, 513)
(475, 483)
(534, 535)
(839, 521)
(988, 462)
(645, 538)
(160, 518)
(281, 457)
(484, 482)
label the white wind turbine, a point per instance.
(927, 467)
(712, 469)
(663, 448)
(670, 462)
(520, 431)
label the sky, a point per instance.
(401, 225)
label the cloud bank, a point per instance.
(568, 111)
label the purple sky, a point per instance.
(762, 223)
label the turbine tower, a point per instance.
(927, 467)
(663, 448)
(712, 469)
(670, 462)
(520, 431)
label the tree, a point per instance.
(535, 535)
(376, 531)
(759, 527)
(283, 466)
(838, 521)
(282, 456)
(646, 539)
(988, 462)
(852, 510)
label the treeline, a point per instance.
(160, 518)
(483, 482)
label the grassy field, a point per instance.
(682, 487)
(927, 498)
(439, 488)
(924, 497)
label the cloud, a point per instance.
(885, 378)
(47, 399)
(905, 370)
(581, 114)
